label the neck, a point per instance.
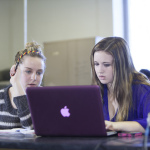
(110, 89)
(111, 97)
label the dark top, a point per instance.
(11, 117)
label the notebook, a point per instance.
(66, 110)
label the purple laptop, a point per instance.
(66, 110)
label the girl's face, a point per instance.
(32, 71)
(103, 63)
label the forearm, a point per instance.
(18, 90)
(23, 111)
(129, 126)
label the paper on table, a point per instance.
(18, 132)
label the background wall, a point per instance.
(51, 20)
(11, 30)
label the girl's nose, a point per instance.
(33, 77)
(101, 68)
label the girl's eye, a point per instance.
(106, 65)
(39, 73)
(96, 64)
(28, 71)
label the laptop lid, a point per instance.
(66, 110)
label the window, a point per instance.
(139, 32)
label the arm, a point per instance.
(129, 126)
(15, 81)
(137, 119)
(19, 98)
(23, 111)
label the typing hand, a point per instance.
(110, 125)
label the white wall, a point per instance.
(11, 31)
(51, 20)
(4, 30)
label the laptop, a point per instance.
(66, 110)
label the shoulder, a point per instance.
(4, 91)
(142, 87)
(140, 90)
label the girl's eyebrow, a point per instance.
(103, 62)
(31, 69)
(40, 70)
(107, 62)
(28, 68)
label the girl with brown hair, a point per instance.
(125, 92)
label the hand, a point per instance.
(15, 80)
(110, 125)
(15, 75)
(12, 70)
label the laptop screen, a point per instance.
(66, 110)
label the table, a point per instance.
(73, 143)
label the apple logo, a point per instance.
(65, 112)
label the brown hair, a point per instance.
(124, 73)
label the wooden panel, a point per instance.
(68, 62)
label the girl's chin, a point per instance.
(103, 82)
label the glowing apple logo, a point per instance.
(65, 112)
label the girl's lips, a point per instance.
(32, 85)
(102, 77)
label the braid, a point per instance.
(26, 52)
(32, 49)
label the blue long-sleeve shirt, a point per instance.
(140, 104)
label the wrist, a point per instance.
(116, 126)
(18, 89)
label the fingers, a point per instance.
(18, 72)
(108, 125)
(12, 70)
(15, 75)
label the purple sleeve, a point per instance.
(141, 104)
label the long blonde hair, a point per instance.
(124, 73)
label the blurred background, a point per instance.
(68, 30)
